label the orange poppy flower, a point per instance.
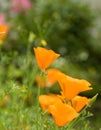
(72, 87)
(3, 31)
(79, 102)
(47, 100)
(51, 76)
(49, 79)
(45, 57)
(62, 113)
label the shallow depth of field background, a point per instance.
(69, 27)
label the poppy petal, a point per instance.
(62, 113)
(79, 102)
(72, 86)
(45, 57)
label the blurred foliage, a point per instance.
(66, 26)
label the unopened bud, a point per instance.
(92, 100)
(43, 42)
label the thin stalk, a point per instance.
(76, 120)
(38, 110)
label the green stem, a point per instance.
(38, 110)
(76, 120)
(38, 94)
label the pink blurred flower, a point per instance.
(20, 5)
(2, 18)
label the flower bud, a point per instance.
(92, 100)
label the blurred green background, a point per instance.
(69, 27)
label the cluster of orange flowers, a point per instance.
(67, 105)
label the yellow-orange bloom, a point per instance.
(3, 31)
(49, 79)
(62, 113)
(52, 75)
(71, 87)
(79, 102)
(47, 100)
(45, 57)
